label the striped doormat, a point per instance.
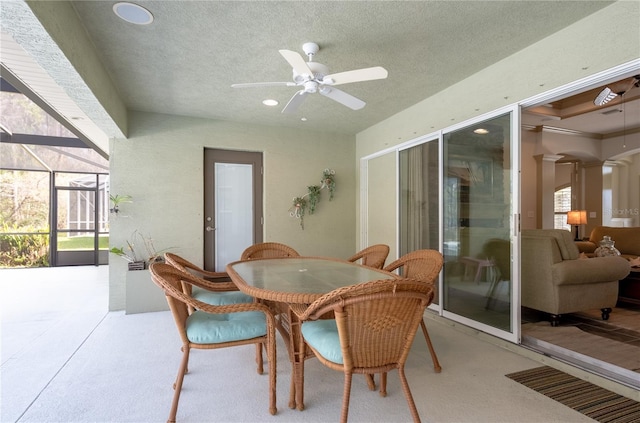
(593, 401)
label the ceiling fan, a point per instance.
(313, 77)
(607, 94)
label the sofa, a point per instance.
(555, 280)
(627, 240)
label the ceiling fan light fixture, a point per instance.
(605, 96)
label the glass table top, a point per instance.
(304, 274)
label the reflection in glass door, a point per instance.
(419, 191)
(477, 211)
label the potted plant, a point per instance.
(139, 252)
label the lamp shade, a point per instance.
(577, 217)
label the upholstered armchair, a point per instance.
(557, 281)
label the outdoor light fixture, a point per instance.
(577, 218)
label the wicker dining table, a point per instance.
(290, 283)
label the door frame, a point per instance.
(81, 257)
(212, 156)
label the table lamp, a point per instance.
(577, 218)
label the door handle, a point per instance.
(209, 229)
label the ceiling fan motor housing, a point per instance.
(319, 71)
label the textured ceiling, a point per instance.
(185, 62)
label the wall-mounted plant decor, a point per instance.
(300, 204)
(314, 197)
(328, 181)
(116, 200)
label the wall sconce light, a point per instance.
(577, 218)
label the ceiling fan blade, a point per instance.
(366, 74)
(342, 98)
(295, 102)
(264, 84)
(297, 62)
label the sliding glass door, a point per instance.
(456, 193)
(478, 224)
(419, 188)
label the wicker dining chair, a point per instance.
(268, 250)
(213, 327)
(373, 256)
(218, 288)
(423, 265)
(271, 250)
(373, 330)
(186, 266)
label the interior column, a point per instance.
(546, 187)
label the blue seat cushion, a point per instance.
(323, 336)
(207, 328)
(220, 298)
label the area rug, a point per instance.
(593, 401)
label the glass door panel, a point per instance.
(233, 211)
(477, 212)
(419, 199)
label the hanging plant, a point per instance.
(300, 204)
(314, 197)
(298, 208)
(328, 181)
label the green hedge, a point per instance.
(24, 250)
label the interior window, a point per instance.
(561, 205)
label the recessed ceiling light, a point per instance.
(304, 119)
(133, 13)
(481, 131)
(270, 102)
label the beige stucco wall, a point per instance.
(380, 230)
(161, 167)
(576, 52)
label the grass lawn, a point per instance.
(82, 243)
